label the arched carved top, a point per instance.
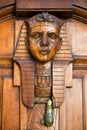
(8, 8)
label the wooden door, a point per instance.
(72, 114)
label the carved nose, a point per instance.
(44, 41)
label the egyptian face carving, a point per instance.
(43, 36)
(44, 41)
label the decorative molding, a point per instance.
(5, 3)
(6, 66)
(6, 62)
(80, 63)
(80, 14)
(8, 10)
(24, 8)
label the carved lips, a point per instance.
(44, 50)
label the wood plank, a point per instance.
(0, 100)
(62, 116)
(85, 103)
(23, 115)
(30, 7)
(0, 108)
(6, 38)
(6, 3)
(41, 4)
(74, 115)
(68, 76)
(10, 112)
(79, 38)
(16, 73)
(82, 3)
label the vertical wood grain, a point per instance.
(23, 115)
(68, 76)
(7, 37)
(0, 101)
(56, 119)
(0, 110)
(16, 74)
(10, 112)
(79, 38)
(74, 115)
(85, 102)
(3, 70)
(62, 117)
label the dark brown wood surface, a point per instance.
(74, 108)
(72, 114)
(8, 10)
(64, 8)
(80, 3)
(38, 4)
(4, 3)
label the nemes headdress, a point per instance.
(23, 58)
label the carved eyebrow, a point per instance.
(57, 33)
(54, 30)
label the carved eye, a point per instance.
(36, 35)
(52, 35)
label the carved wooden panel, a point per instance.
(74, 110)
(0, 108)
(31, 4)
(6, 3)
(27, 8)
(6, 52)
(10, 105)
(78, 41)
(36, 115)
(72, 114)
(60, 62)
(26, 73)
(5, 48)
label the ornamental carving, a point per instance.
(42, 54)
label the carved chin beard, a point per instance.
(44, 57)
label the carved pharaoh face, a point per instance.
(44, 41)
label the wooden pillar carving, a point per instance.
(26, 69)
(41, 73)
